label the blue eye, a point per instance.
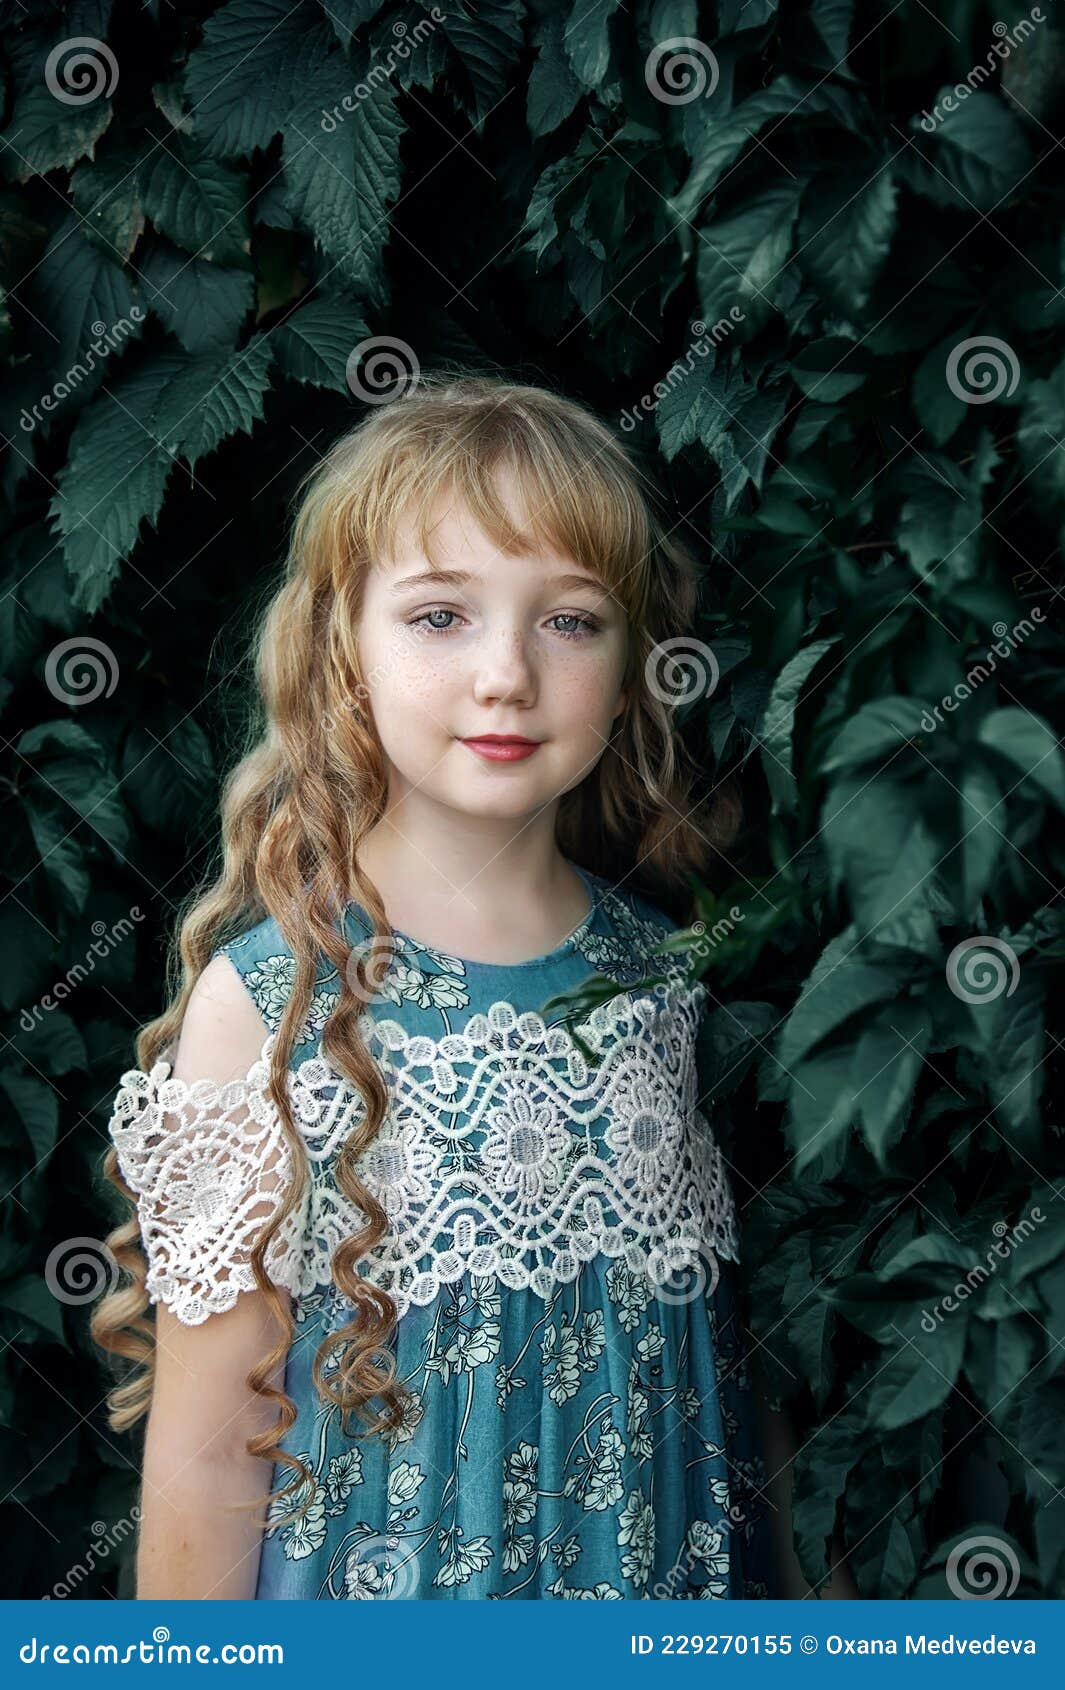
(433, 627)
(584, 625)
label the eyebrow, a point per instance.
(459, 578)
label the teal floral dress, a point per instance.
(561, 1250)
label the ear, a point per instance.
(623, 699)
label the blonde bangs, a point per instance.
(396, 477)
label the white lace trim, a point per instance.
(504, 1153)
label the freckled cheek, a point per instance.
(416, 681)
(583, 689)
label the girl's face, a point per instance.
(525, 646)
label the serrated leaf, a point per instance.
(45, 132)
(35, 1104)
(938, 408)
(85, 296)
(487, 43)
(340, 183)
(107, 195)
(70, 763)
(113, 480)
(314, 343)
(206, 401)
(1040, 433)
(204, 305)
(254, 59)
(880, 846)
(939, 525)
(842, 982)
(198, 203)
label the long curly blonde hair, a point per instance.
(299, 802)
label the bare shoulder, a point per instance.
(222, 1032)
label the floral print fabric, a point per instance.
(596, 1442)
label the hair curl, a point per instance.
(298, 803)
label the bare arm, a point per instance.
(203, 1411)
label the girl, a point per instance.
(383, 1164)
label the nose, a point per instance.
(504, 670)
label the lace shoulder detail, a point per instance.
(208, 1163)
(505, 1152)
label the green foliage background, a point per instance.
(513, 196)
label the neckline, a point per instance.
(595, 893)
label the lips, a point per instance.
(502, 748)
